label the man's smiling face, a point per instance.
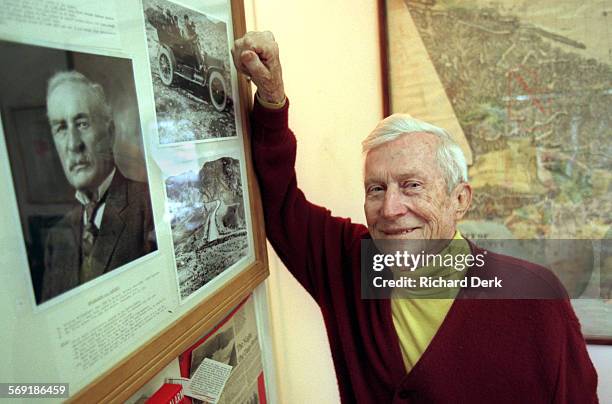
(406, 193)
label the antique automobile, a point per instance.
(179, 57)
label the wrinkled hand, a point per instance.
(256, 55)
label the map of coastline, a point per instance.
(535, 104)
(525, 87)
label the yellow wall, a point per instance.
(329, 50)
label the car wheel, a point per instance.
(217, 90)
(166, 65)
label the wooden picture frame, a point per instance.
(119, 383)
(432, 55)
(177, 321)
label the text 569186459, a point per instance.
(33, 390)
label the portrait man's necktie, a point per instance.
(90, 233)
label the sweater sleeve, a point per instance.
(307, 238)
(576, 376)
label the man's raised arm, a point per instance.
(302, 234)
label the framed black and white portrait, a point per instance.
(72, 130)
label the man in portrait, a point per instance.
(112, 224)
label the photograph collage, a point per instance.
(76, 150)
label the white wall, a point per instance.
(330, 55)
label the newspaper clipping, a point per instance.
(234, 343)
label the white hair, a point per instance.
(95, 89)
(449, 155)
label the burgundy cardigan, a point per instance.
(501, 351)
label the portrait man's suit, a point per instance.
(126, 233)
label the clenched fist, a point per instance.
(256, 55)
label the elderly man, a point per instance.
(113, 223)
(408, 350)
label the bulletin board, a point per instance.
(134, 105)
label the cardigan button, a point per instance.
(404, 394)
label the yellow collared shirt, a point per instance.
(416, 320)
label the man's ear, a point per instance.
(462, 196)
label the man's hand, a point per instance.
(256, 55)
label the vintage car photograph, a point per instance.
(190, 69)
